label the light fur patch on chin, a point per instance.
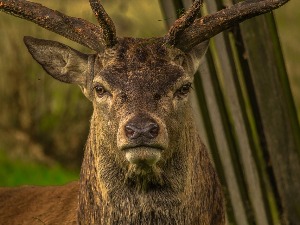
(143, 156)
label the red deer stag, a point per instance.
(144, 162)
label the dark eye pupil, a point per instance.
(100, 90)
(185, 89)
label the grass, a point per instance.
(20, 172)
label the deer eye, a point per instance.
(183, 90)
(100, 90)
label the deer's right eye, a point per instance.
(183, 90)
(100, 90)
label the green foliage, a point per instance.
(19, 172)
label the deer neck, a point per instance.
(106, 196)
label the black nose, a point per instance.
(141, 126)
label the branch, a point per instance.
(106, 23)
(75, 29)
(208, 26)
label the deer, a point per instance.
(144, 162)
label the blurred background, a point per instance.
(44, 123)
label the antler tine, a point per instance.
(183, 22)
(75, 29)
(105, 22)
(208, 26)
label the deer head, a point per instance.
(135, 86)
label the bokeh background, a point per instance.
(44, 123)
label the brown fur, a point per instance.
(142, 79)
(39, 205)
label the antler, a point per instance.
(183, 22)
(109, 30)
(186, 37)
(76, 29)
(186, 32)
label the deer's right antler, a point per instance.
(75, 29)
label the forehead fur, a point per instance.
(147, 63)
(140, 51)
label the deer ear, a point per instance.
(196, 54)
(60, 61)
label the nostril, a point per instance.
(153, 130)
(141, 129)
(130, 131)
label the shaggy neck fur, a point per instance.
(188, 193)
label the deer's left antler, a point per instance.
(208, 26)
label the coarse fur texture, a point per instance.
(28, 205)
(182, 188)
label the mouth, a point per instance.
(143, 155)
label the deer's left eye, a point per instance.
(100, 90)
(183, 90)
